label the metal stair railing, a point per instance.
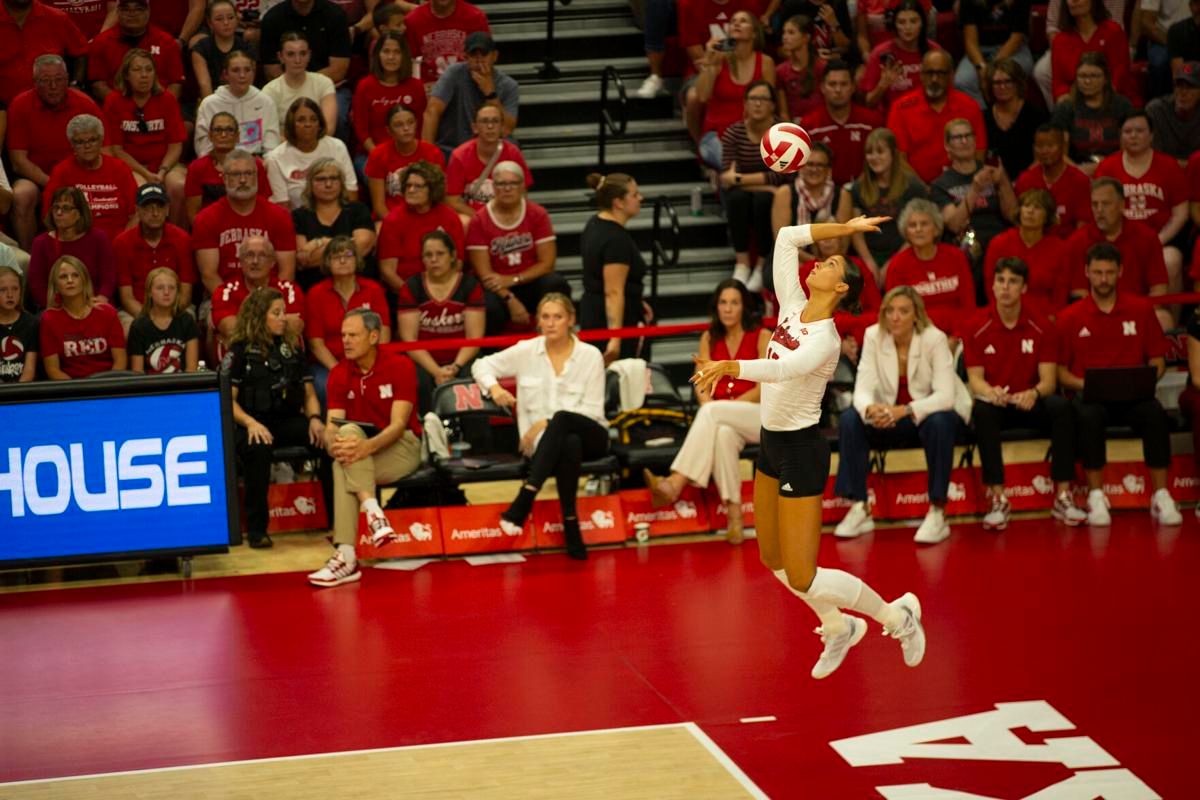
(607, 123)
(548, 71)
(659, 257)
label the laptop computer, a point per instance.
(1119, 384)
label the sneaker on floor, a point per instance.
(511, 528)
(997, 518)
(335, 572)
(934, 527)
(650, 87)
(910, 632)
(1097, 509)
(1163, 509)
(754, 284)
(381, 530)
(856, 522)
(836, 647)
(260, 541)
(1066, 510)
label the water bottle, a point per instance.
(201, 367)
(697, 201)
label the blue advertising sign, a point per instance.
(112, 475)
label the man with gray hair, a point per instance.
(37, 137)
(257, 258)
(373, 435)
(106, 181)
(29, 29)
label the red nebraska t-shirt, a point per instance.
(1009, 356)
(219, 226)
(136, 259)
(373, 101)
(325, 309)
(1072, 193)
(368, 396)
(108, 49)
(401, 232)
(1151, 197)
(145, 139)
(441, 41)
(110, 191)
(229, 296)
(465, 167)
(512, 249)
(88, 15)
(944, 283)
(386, 163)
(83, 346)
(440, 319)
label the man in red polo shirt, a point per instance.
(841, 124)
(257, 258)
(1012, 360)
(919, 117)
(1114, 328)
(379, 389)
(30, 29)
(133, 29)
(153, 243)
(240, 213)
(106, 181)
(37, 138)
(1067, 183)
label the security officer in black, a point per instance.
(274, 404)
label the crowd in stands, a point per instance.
(289, 184)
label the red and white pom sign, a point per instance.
(785, 147)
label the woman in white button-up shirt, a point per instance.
(561, 414)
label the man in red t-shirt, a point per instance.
(841, 124)
(1011, 356)
(919, 117)
(467, 188)
(29, 30)
(374, 388)
(240, 213)
(437, 34)
(1067, 183)
(37, 138)
(153, 243)
(1112, 328)
(257, 258)
(90, 16)
(133, 29)
(107, 182)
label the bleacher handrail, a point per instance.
(548, 71)
(658, 255)
(607, 123)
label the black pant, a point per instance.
(530, 294)
(1147, 418)
(1052, 413)
(747, 211)
(568, 441)
(289, 431)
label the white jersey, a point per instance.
(802, 356)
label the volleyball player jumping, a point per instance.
(793, 461)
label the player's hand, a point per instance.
(709, 372)
(867, 224)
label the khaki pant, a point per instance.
(400, 459)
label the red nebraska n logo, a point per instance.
(467, 397)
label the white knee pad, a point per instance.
(837, 587)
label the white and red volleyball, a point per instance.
(785, 147)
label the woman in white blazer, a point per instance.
(906, 393)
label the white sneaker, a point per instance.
(836, 647)
(934, 527)
(1097, 509)
(754, 284)
(511, 528)
(741, 272)
(997, 518)
(335, 572)
(910, 633)
(856, 522)
(381, 530)
(650, 87)
(1066, 510)
(1163, 509)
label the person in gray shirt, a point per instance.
(1176, 116)
(462, 89)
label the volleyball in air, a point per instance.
(785, 147)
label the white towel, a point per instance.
(634, 378)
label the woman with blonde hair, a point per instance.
(561, 414)
(905, 394)
(164, 338)
(327, 212)
(79, 336)
(274, 404)
(18, 329)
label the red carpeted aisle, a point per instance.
(1091, 627)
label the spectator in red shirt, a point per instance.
(37, 138)
(840, 124)
(28, 31)
(468, 180)
(1193, 178)
(257, 256)
(107, 51)
(392, 155)
(1011, 356)
(180, 18)
(1086, 27)
(437, 33)
(70, 232)
(1046, 284)
(107, 182)
(919, 118)
(146, 127)
(512, 248)
(424, 210)
(1156, 191)
(379, 388)
(205, 182)
(152, 244)
(390, 83)
(1067, 184)
(799, 74)
(939, 272)
(1113, 328)
(441, 303)
(894, 64)
(90, 16)
(241, 213)
(344, 288)
(79, 336)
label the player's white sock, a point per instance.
(832, 620)
(847, 591)
(371, 508)
(348, 555)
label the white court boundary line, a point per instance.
(700, 736)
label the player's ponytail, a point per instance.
(852, 276)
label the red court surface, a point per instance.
(1088, 632)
